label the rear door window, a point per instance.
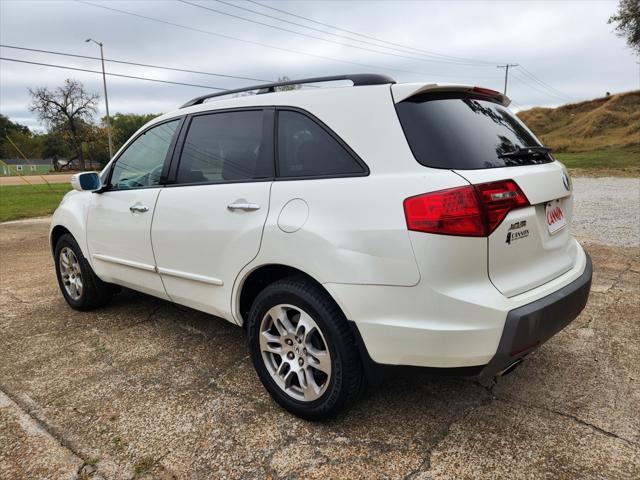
(306, 149)
(447, 131)
(225, 147)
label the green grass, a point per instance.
(25, 201)
(611, 161)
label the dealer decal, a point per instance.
(517, 231)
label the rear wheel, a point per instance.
(303, 350)
(81, 288)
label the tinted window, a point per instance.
(140, 165)
(306, 149)
(465, 133)
(225, 147)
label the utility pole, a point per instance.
(506, 73)
(106, 99)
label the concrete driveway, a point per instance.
(146, 389)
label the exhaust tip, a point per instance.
(512, 366)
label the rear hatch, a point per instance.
(471, 132)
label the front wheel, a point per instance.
(81, 288)
(303, 350)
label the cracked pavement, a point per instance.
(146, 389)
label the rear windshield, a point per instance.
(447, 131)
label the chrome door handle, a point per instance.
(242, 204)
(137, 208)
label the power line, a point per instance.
(447, 61)
(65, 67)
(251, 42)
(123, 62)
(526, 72)
(542, 83)
(369, 36)
(229, 37)
(525, 81)
(308, 27)
(533, 86)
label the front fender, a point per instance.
(72, 215)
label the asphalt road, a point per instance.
(145, 389)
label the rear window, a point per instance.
(447, 131)
(305, 149)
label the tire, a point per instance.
(322, 345)
(93, 292)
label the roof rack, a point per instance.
(358, 79)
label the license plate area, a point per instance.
(555, 216)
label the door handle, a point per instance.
(138, 208)
(242, 204)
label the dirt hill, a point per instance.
(607, 122)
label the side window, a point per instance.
(306, 149)
(140, 165)
(225, 147)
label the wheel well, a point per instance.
(56, 233)
(260, 278)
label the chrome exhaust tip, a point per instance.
(510, 368)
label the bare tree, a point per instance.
(69, 106)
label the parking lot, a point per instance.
(146, 389)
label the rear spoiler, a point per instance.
(402, 91)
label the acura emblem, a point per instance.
(566, 181)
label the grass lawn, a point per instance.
(24, 201)
(611, 161)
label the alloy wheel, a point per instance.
(70, 273)
(295, 352)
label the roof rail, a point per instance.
(358, 79)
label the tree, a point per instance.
(126, 124)
(627, 21)
(286, 87)
(97, 144)
(69, 106)
(10, 129)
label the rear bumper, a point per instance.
(530, 325)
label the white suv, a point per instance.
(349, 230)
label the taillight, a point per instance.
(472, 211)
(499, 198)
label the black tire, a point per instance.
(346, 381)
(95, 292)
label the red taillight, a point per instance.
(473, 211)
(499, 198)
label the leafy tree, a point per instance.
(126, 124)
(627, 21)
(54, 146)
(286, 87)
(12, 130)
(97, 144)
(69, 106)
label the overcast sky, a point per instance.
(568, 45)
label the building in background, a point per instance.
(20, 166)
(39, 166)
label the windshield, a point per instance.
(450, 131)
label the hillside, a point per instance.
(603, 123)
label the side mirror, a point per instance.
(86, 182)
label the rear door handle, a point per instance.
(138, 208)
(242, 204)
